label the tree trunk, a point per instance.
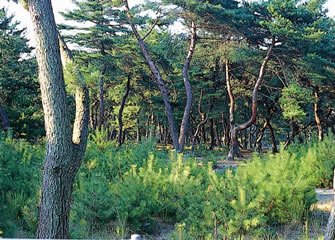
(234, 145)
(316, 115)
(138, 132)
(63, 154)
(212, 134)
(218, 135)
(188, 89)
(203, 121)
(273, 138)
(259, 139)
(4, 119)
(159, 79)
(123, 103)
(233, 151)
(291, 138)
(101, 97)
(225, 127)
(260, 136)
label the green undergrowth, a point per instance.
(20, 176)
(137, 189)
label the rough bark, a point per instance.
(234, 151)
(122, 105)
(188, 88)
(64, 150)
(4, 119)
(316, 114)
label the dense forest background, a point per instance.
(213, 81)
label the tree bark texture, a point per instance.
(122, 105)
(234, 151)
(64, 150)
(4, 119)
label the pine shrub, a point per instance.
(20, 175)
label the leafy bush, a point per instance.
(19, 185)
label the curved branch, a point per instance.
(255, 90)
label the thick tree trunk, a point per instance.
(234, 145)
(4, 119)
(63, 154)
(233, 151)
(188, 89)
(316, 115)
(123, 103)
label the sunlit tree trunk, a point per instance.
(64, 150)
(316, 115)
